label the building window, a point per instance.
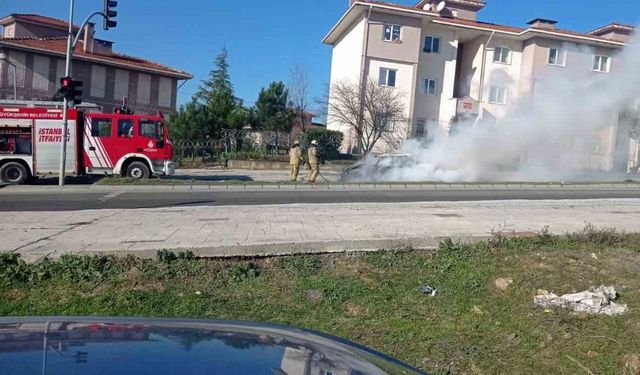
(325, 372)
(430, 86)
(497, 95)
(101, 127)
(502, 55)
(421, 127)
(387, 77)
(601, 64)
(165, 92)
(144, 89)
(392, 33)
(19, 71)
(40, 73)
(98, 81)
(557, 57)
(431, 44)
(121, 89)
(60, 70)
(387, 126)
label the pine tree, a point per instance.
(272, 110)
(222, 110)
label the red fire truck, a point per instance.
(97, 144)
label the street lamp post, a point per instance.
(15, 73)
(71, 45)
(65, 105)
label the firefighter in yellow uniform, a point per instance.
(294, 161)
(313, 162)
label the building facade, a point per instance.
(32, 55)
(448, 66)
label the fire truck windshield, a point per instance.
(152, 129)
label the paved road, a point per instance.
(18, 200)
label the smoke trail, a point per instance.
(550, 137)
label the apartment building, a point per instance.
(450, 67)
(33, 49)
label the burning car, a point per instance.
(376, 167)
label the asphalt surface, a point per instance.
(92, 200)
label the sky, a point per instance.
(265, 39)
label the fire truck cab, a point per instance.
(97, 144)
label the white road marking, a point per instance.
(110, 196)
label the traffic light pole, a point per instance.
(65, 106)
(71, 45)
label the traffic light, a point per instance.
(109, 13)
(71, 90)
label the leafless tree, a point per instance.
(299, 88)
(370, 111)
(395, 139)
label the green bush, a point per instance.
(258, 154)
(329, 142)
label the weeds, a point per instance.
(167, 257)
(243, 271)
(600, 237)
(302, 265)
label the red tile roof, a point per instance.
(36, 18)
(474, 3)
(390, 5)
(611, 27)
(485, 25)
(492, 26)
(58, 46)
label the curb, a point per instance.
(279, 249)
(364, 187)
(96, 188)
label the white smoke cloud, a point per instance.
(552, 138)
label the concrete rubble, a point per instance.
(595, 301)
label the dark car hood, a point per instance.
(141, 346)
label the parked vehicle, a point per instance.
(90, 345)
(97, 144)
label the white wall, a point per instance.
(346, 64)
(441, 67)
(502, 75)
(405, 79)
(346, 61)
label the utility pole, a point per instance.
(65, 106)
(108, 15)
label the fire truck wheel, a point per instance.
(138, 170)
(13, 173)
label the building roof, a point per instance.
(478, 4)
(477, 24)
(36, 18)
(466, 23)
(58, 46)
(612, 27)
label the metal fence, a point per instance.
(232, 140)
(250, 142)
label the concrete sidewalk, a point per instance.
(287, 229)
